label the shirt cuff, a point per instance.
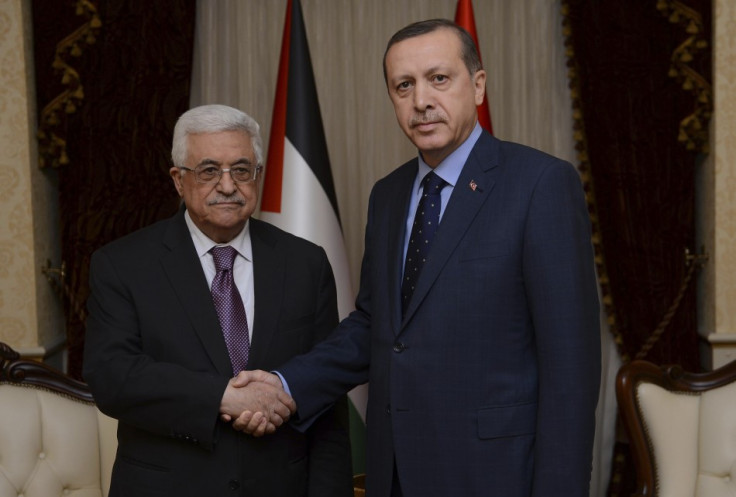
(283, 382)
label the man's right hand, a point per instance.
(257, 402)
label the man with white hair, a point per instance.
(179, 308)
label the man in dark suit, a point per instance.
(156, 357)
(482, 356)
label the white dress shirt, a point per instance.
(242, 266)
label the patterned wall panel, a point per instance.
(724, 148)
(29, 310)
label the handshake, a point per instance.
(255, 403)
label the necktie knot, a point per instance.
(224, 257)
(433, 184)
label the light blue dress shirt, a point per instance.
(449, 170)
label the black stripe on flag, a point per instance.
(303, 119)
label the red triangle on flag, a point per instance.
(271, 197)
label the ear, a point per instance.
(479, 83)
(176, 175)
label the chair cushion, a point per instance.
(717, 460)
(671, 422)
(694, 439)
(49, 444)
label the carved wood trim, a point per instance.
(23, 372)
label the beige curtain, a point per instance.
(237, 51)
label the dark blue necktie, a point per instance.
(426, 221)
(230, 308)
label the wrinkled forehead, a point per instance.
(222, 146)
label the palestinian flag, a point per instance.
(298, 191)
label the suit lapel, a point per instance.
(398, 209)
(184, 270)
(268, 278)
(463, 206)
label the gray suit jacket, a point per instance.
(489, 383)
(156, 359)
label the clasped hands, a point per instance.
(256, 403)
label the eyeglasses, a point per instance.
(209, 174)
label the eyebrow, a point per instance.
(440, 68)
(436, 69)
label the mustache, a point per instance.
(224, 199)
(429, 117)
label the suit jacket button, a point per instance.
(388, 409)
(399, 347)
(234, 484)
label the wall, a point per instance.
(717, 202)
(521, 45)
(30, 311)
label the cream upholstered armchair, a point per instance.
(53, 439)
(682, 429)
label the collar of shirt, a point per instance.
(203, 244)
(449, 170)
(242, 267)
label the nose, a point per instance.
(422, 97)
(226, 184)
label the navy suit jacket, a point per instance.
(489, 383)
(155, 359)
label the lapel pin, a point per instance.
(473, 184)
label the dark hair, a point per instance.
(469, 53)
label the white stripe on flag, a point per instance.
(306, 212)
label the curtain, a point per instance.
(236, 57)
(640, 75)
(112, 77)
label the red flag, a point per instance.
(465, 19)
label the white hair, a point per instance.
(213, 119)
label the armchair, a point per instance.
(682, 429)
(53, 440)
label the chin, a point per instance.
(430, 148)
(431, 141)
